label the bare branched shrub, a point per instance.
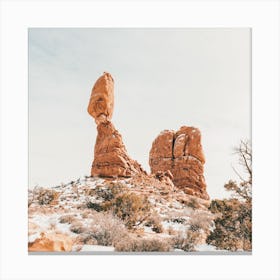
(106, 229)
(201, 220)
(186, 241)
(154, 221)
(243, 189)
(132, 244)
(233, 224)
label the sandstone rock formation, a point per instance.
(181, 153)
(51, 242)
(110, 156)
(101, 103)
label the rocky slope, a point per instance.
(133, 214)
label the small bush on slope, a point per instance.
(45, 196)
(133, 209)
(67, 219)
(201, 220)
(131, 244)
(154, 221)
(187, 240)
(106, 229)
(233, 226)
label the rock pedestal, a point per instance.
(110, 155)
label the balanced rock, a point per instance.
(181, 153)
(110, 156)
(101, 103)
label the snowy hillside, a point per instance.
(126, 215)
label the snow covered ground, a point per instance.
(69, 213)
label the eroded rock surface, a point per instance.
(181, 153)
(101, 103)
(110, 155)
(51, 242)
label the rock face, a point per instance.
(110, 155)
(101, 103)
(181, 153)
(51, 242)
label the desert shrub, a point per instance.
(109, 192)
(193, 203)
(154, 221)
(233, 225)
(77, 227)
(31, 196)
(133, 209)
(67, 219)
(201, 220)
(106, 229)
(86, 238)
(178, 220)
(93, 205)
(87, 213)
(187, 240)
(142, 245)
(46, 196)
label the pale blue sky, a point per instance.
(164, 78)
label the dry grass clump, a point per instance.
(193, 203)
(86, 238)
(186, 241)
(154, 221)
(106, 229)
(93, 205)
(87, 213)
(201, 220)
(67, 219)
(132, 244)
(45, 196)
(77, 227)
(109, 191)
